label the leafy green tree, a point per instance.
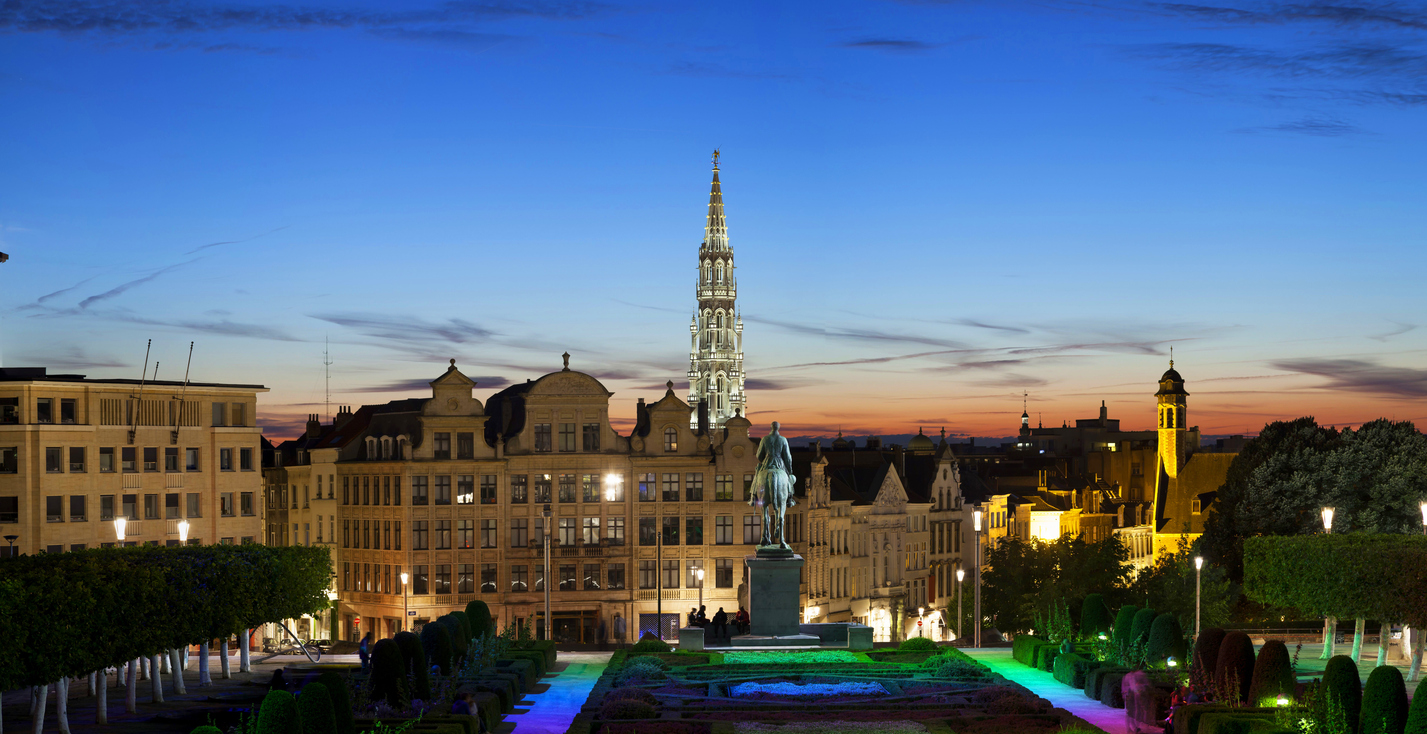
(1025, 577)
(1168, 586)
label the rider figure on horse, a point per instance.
(773, 486)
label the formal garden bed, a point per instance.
(938, 690)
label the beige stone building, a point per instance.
(77, 453)
(453, 492)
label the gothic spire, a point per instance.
(715, 231)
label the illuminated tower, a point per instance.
(1173, 438)
(716, 330)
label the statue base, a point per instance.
(774, 607)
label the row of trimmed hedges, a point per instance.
(67, 614)
(1071, 668)
(1023, 648)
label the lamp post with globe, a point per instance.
(1198, 568)
(976, 605)
(404, 612)
(960, 618)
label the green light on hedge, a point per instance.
(1171, 662)
(1102, 636)
(1282, 701)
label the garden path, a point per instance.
(1045, 685)
(552, 710)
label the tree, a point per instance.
(1024, 577)
(1168, 586)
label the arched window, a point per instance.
(371, 448)
(671, 439)
(719, 319)
(386, 447)
(718, 273)
(401, 447)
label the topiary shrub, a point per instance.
(628, 709)
(1045, 656)
(1417, 714)
(1384, 702)
(1124, 623)
(466, 633)
(1095, 676)
(436, 642)
(1344, 686)
(341, 702)
(1140, 629)
(650, 644)
(916, 644)
(413, 659)
(459, 640)
(1273, 675)
(1023, 648)
(1166, 639)
(278, 714)
(641, 670)
(1072, 669)
(632, 694)
(1235, 668)
(314, 710)
(1095, 617)
(479, 615)
(388, 677)
(1110, 693)
(1206, 650)
(951, 667)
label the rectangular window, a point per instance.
(396, 491)
(443, 446)
(194, 508)
(397, 536)
(465, 489)
(171, 511)
(542, 437)
(723, 573)
(220, 414)
(190, 459)
(567, 577)
(465, 446)
(44, 410)
(567, 487)
(130, 506)
(127, 455)
(367, 490)
(386, 534)
(67, 411)
(465, 534)
(76, 459)
(648, 531)
(567, 436)
(419, 580)
(240, 414)
(614, 531)
(9, 411)
(346, 534)
(567, 532)
(418, 535)
(54, 509)
(170, 458)
(591, 436)
(443, 578)
(723, 530)
(694, 530)
(245, 503)
(346, 491)
(225, 459)
(694, 487)
(693, 576)
(519, 532)
(106, 459)
(346, 577)
(671, 530)
(9, 459)
(519, 582)
(614, 488)
(77, 508)
(443, 490)
(671, 487)
(670, 572)
(537, 532)
(648, 575)
(488, 578)
(752, 529)
(418, 491)
(615, 576)
(647, 487)
(488, 489)
(466, 578)
(488, 533)
(245, 459)
(747, 487)
(723, 488)
(386, 490)
(539, 573)
(589, 488)
(592, 577)
(519, 489)
(590, 530)
(54, 458)
(106, 507)
(443, 535)
(151, 507)
(542, 489)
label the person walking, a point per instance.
(720, 624)
(741, 621)
(364, 651)
(619, 629)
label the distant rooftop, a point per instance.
(41, 374)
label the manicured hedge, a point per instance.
(67, 614)
(1273, 675)
(1417, 714)
(1187, 718)
(1110, 693)
(1166, 639)
(1070, 669)
(479, 615)
(1095, 676)
(1206, 649)
(1023, 648)
(1125, 623)
(1345, 686)
(1373, 576)
(1095, 617)
(1385, 702)
(1236, 664)
(1140, 630)
(1045, 656)
(544, 647)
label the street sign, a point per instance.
(411, 614)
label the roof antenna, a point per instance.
(1171, 356)
(134, 419)
(327, 369)
(178, 420)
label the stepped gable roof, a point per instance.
(506, 412)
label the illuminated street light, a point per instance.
(921, 614)
(960, 619)
(700, 575)
(404, 612)
(119, 523)
(182, 532)
(1198, 567)
(1327, 519)
(1424, 517)
(611, 486)
(976, 601)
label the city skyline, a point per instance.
(935, 209)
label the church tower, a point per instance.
(1173, 438)
(716, 330)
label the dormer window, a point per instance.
(1195, 506)
(401, 448)
(671, 439)
(371, 448)
(386, 447)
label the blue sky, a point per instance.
(935, 207)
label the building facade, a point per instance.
(716, 377)
(78, 453)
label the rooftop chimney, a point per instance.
(314, 425)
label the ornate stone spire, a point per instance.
(716, 331)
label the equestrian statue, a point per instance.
(773, 486)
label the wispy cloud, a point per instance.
(1359, 375)
(409, 330)
(1389, 15)
(423, 385)
(233, 242)
(894, 45)
(864, 335)
(1318, 126)
(123, 287)
(72, 358)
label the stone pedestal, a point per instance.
(774, 607)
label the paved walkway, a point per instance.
(1046, 686)
(551, 710)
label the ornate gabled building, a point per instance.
(716, 331)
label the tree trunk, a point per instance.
(223, 655)
(245, 664)
(203, 679)
(143, 668)
(131, 688)
(62, 704)
(1416, 662)
(177, 666)
(165, 663)
(1330, 636)
(91, 684)
(156, 680)
(1384, 632)
(1358, 631)
(42, 696)
(101, 702)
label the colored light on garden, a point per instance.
(1328, 518)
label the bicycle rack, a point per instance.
(300, 645)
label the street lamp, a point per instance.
(1424, 517)
(960, 618)
(699, 573)
(404, 612)
(921, 614)
(182, 532)
(1327, 519)
(119, 523)
(976, 602)
(611, 486)
(545, 525)
(1198, 567)
(13, 538)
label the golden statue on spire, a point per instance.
(715, 159)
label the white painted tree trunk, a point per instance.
(42, 695)
(1358, 631)
(203, 679)
(101, 701)
(185, 657)
(1383, 634)
(223, 653)
(1330, 636)
(165, 660)
(245, 663)
(91, 684)
(143, 668)
(1416, 664)
(62, 704)
(176, 665)
(156, 680)
(131, 688)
